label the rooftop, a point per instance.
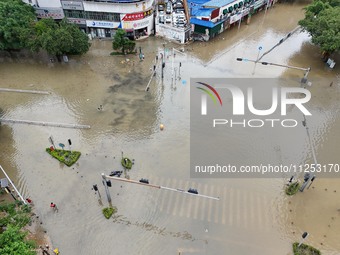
(218, 3)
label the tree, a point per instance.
(322, 22)
(59, 38)
(122, 43)
(12, 242)
(16, 24)
(80, 41)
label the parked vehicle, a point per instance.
(169, 8)
(167, 19)
(178, 5)
(161, 17)
(161, 7)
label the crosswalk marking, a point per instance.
(203, 203)
(245, 209)
(258, 207)
(210, 204)
(231, 206)
(165, 195)
(217, 204)
(171, 196)
(265, 204)
(224, 201)
(185, 199)
(190, 204)
(177, 198)
(236, 207)
(238, 195)
(197, 203)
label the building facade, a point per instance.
(101, 18)
(211, 17)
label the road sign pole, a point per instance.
(106, 188)
(304, 236)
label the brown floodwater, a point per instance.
(251, 217)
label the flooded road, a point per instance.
(252, 216)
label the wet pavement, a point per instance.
(252, 217)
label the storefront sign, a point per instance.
(235, 18)
(54, 13)
(258, 4)
(137, 24)
(77, 21)
(137, 15)
(245, 12)
(72, 5)
(103, 24)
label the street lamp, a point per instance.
(304, 81)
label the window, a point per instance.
(103, 16)
(74, 14)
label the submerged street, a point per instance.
(253, 216)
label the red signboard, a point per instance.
(136, 15)
(215, 13)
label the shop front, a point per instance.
(101, 29)
(138, 24)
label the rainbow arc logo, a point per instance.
(211, 91)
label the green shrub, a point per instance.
(305, 249)
(64, 156)
(292, 189)
(127, 164)
(108, 211)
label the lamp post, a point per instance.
(304, 81)
(163, 60)
(172, 63)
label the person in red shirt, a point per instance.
(54, 206)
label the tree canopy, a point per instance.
(122, 43)
(19, 29)
(16, 24)
(59, 38)
(12, 242)
(322, 22)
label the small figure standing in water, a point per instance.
(54, 207)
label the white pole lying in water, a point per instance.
(23, 200)
(158, 187)
(25, 91)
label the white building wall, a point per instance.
(48, 3)
(118, 7)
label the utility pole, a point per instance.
(304, 81)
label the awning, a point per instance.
(235, 6)
(230, 9)
(225, 11)
(240, 4)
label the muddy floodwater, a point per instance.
(253, 216)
